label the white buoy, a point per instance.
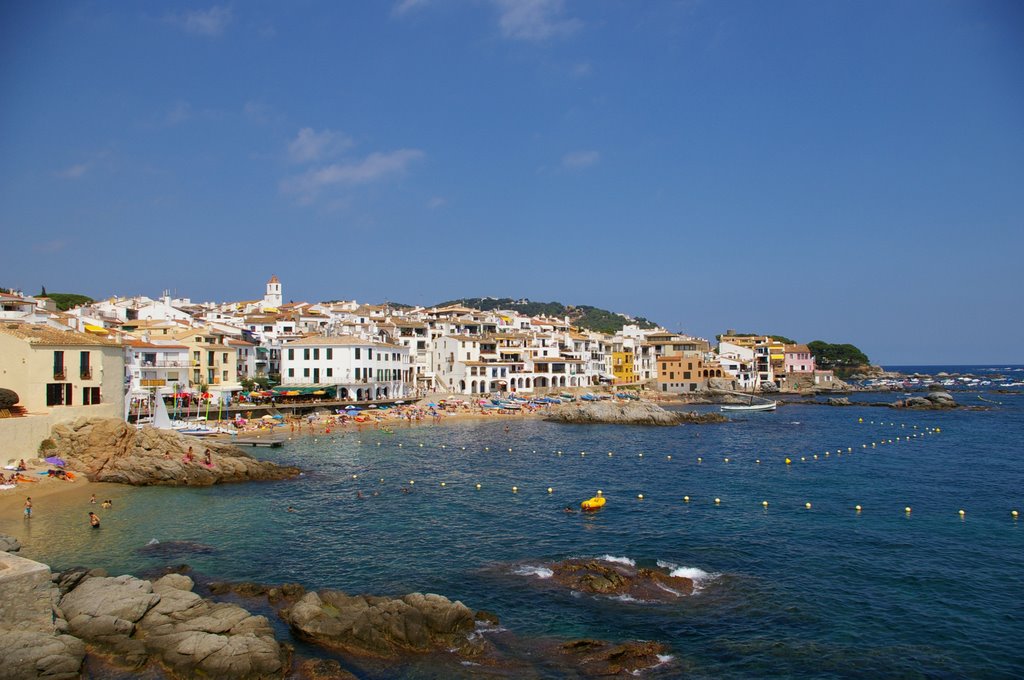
(477, 486)
(641, 455)
(764, 503)
(758, 461)
(686, 499)
(515, 489)
(669, 457)
(962, 513)
(726, 460)
(857, 508)
(640, 496)
(718, 501)
(807, 505)
(1013, 514)
(442, 483)
(907, 509)
(599, 492)
(550, 490)
(354, 476)
(699, 459)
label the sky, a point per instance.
(838, 171)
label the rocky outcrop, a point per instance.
(137, 621)
(599, 577)
(109, 450)
(384, 627)
(839, 401)
(935, 399)
(622, 413)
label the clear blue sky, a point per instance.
(844, 171)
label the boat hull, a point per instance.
(751, 407)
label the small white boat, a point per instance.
(769, 406)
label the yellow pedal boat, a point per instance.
(595, 503)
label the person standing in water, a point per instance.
(28, 507)
(94, 520)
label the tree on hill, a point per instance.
(584, 316)
(828, 355)
(66, 301)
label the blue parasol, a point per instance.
(54, 460)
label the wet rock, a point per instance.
(597, 658)
(839, 401)
(487, 617)
(323, 669)
(384, 627)
(110, 450)
(599, 577)
(933, 400)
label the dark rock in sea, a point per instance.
(597, 658)
(839, 401)
(601, 577)
(289, 592)
(110, 450)
(487, 617)
(384, 627)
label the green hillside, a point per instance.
(584, 316)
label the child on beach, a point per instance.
(28, 507)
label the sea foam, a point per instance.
(617, 560)
(529, 570)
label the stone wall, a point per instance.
(26, 594)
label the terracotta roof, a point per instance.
(273, 279)
(340, 341)
(142, 344)
(37, 335)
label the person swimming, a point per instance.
(94, 520)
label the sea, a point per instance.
(881, 575)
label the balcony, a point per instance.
(60, 374)
(86, 374)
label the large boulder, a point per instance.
(598, 658)
(381, 626)
(933, 400)
(110, 450)
(9, 544)
(26, 654)
(136, 621)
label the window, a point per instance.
(195, 356)
(58, 365)
(224, 376)
(305, 354)
(357, 355)
(369, 353)
(84, 368)
(330, 372)
(90, 396)
(58, 394)
(224, 357)
(291, 372)
(291, 353)
(686, 375)
(330, 354)
(210, 358)
(316, 353)
(305, 373)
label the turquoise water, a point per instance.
(789, 592)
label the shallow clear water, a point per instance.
(825, 592)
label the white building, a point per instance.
(156, 366)
(272, 299)
(353, 368)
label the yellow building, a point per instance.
(213, 360)
(622, 367)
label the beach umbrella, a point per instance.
(399, 402)
(432, 405)
(350, 407)
(54, 460)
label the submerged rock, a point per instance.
(110, 450)
(173, 549)
(600, 658)
(382, 626)
(933, 400)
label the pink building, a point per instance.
(798, 359)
